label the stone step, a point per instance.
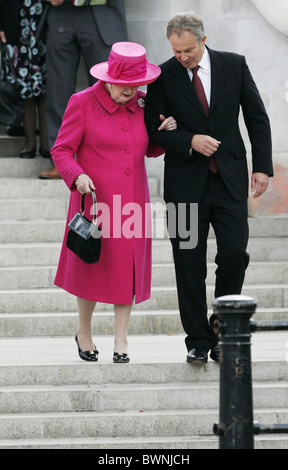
(35, 199)
(51, 402)
(126, 445)
(10, 146)
(131, 423)
(156, 359)
(57, 300)
(51, 399)
(35, 244)
(51, 230)
(154, 443)
(33, 209)
(123, 443)
(15, 167)
(29, 186)
(33, 368)
(163, 274)
(141, 322)
(51, 208)
(141, 397)
(45, 219)
(105, 398)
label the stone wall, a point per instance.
(238, 26)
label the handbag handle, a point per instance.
(94, 205)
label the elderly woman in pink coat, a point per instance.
(101, 145)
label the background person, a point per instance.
(19, 20)
(73, 31)
(103, 126)
(205, 163)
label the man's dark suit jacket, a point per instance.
(232, 87)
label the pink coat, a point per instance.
(109, 143)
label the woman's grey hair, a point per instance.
(188, 21)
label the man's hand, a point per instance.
(259, 183)
(205, 144)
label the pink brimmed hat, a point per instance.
(127, 66)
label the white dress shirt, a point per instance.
(204, 74)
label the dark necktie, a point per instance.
(203, 100)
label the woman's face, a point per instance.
(121, 94)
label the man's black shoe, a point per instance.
(215, 353)
(197, 355)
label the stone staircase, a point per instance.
(62, 402)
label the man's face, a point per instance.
(187, 50)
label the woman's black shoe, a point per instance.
(87, 355)
(27, 154)
(124, 358)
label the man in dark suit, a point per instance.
(205, 163)
(73, 31)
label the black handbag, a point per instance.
(84, 236)
(11, 103)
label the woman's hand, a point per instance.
(168, 124)
(84, 184)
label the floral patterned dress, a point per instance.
(28, 56)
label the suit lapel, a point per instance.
(218, 76)
(181, 80)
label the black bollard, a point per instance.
(235, 430)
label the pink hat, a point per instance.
(127, 66)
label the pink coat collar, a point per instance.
(134, 105)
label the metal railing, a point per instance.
(236, 428)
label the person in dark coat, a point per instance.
(206, 168)
(75, 31)
(19, 22)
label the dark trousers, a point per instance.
(72, 31)
(229, 219)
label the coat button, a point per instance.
(127, 150)
(128, 171)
